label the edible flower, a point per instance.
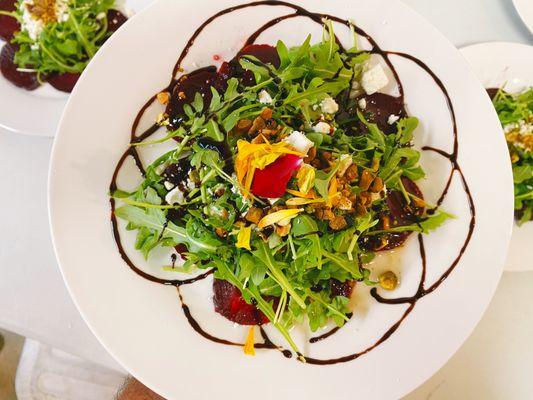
(278, 216)
(243, 238)
(249, 348)
(305, 178)
(254, 157)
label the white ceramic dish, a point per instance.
(525, 10)
(508, 64)
(38, 112)
(141, 323)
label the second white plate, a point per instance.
(509, 64)
(38, 112)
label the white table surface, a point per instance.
(496, 361)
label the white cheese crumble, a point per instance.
(299, 142)
(30, 24)
(175, 196)
(190, 184)
(374, 79)
(264, 97)
(168, 185)
(329, 105)
(393, 119)
(322, 127)
(362, 104)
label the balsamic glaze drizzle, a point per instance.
(452, 157)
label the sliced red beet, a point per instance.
(115, 19)
(379, 107)
(199, 81)
(401, 213)
(64, 82)
(263, 52)
(230, 303)
(26, 80)
(8, 25)
(272, 181)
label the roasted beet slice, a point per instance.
(379, 107)
(115, 19)
(229, 303)
(401, 213)
(8, 25)
(199, 81)
(263, 52)
(26, 80)
(64, 82)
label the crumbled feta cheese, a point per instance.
(329, 105)
(190, 184)
(315, 107)
(168, 185)
(392, 119)
(264, 97)
(322, 127)
(299, 142)
(362, 103)
(175, 196)
(30, 24)
(374, 79)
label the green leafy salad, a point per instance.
(516, 116)
(60, 36)
(286, 178)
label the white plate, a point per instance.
(495, 64)
(38, 112)
(141, 323)
(525, 10)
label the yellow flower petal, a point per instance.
(243, 238)
(300, 201)
(305, 178)
(249, 348)
(277, 216)
(309, 195)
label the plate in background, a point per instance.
(525, 10)
(38, 112)
(509, 64)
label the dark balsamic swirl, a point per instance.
(422, 289)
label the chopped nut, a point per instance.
(257, 125)
(366, 179)
(221, 232)
(338, 223)
(243, 126)
(181, 95)
(163, 98)
(386, 222)
(220, 191)
(311, 154)
(283, 230)
(344, 204)
(258, 139)
(361, 210)
(388, 280)
(254, 215)
(351, 173)
(377, 185)
(266, 113)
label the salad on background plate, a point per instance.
(516, 115)
(53, 40)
